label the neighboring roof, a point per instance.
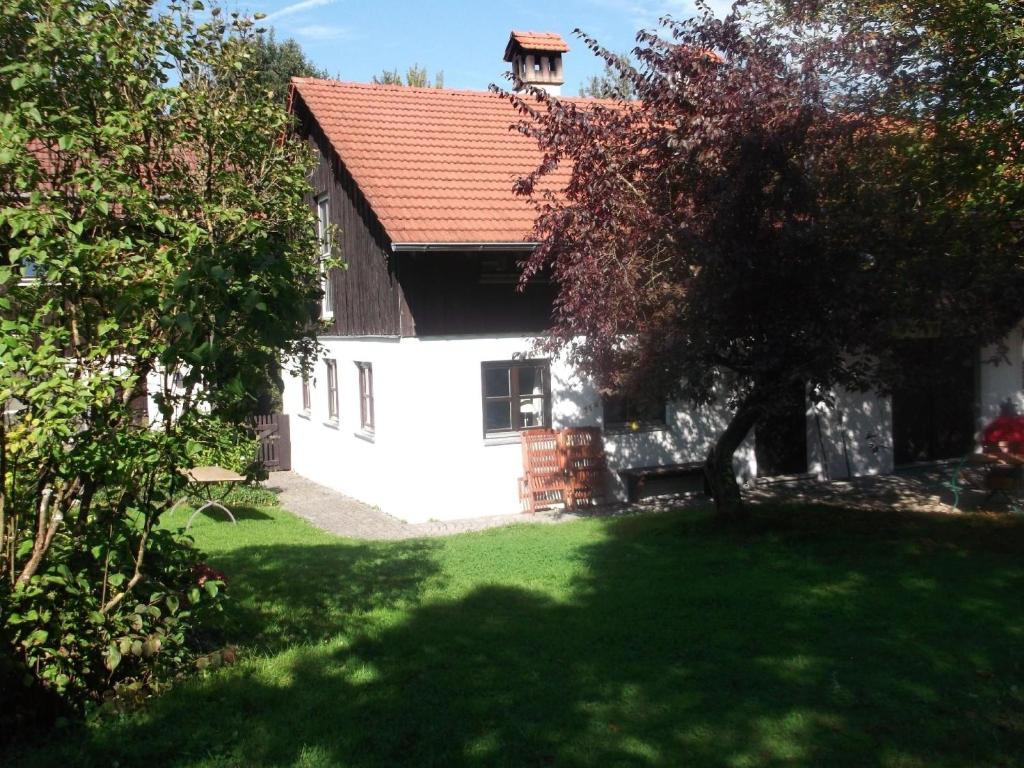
(535, 41)
(436, 165)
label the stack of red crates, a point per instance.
(566, 467)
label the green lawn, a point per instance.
(814, 637)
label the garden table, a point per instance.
(208, 478)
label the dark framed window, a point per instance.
(332, 390)
(516, 395)
(365, 396)
(622, 412)
(307, 404)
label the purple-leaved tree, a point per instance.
(740, 230)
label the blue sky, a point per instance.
(355, 39)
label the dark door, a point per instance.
(274, 433)
(780, 440)
(933, 403)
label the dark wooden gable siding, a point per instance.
(448, 293)
(431, 293)
(367, 295)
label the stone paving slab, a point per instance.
(334, 512)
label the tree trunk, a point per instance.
(718, 469)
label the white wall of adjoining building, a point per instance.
(428, 458)
(1000, 379)
(163, 382)
(851, 437)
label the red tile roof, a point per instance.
(537, 41)
(436, 165)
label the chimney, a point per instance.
(536, 59)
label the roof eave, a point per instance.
(488, 246)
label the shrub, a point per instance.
(63, 636)
(153, 225)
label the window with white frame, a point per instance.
(307, 403)
(365, 396)
(323, 232)
(516, 395)
(332, 390)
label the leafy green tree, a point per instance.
(612, 83)
(947, 80)
(415, 77)
(152, 226)
(276, 63)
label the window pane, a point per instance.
(496, 382)
(648, 411)
(321, 221)
(498, 415)
(531, 412)
(614, 409)
(531, 380)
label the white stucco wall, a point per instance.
(1000, 379)
(851, 438)
(428, 458)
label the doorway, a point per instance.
(934, 402)
(780, 440)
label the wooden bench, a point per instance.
(636, 478)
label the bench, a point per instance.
(636, 478)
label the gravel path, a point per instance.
(334, 512)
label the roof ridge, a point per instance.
(392, 87)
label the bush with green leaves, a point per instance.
(232, 446)
(58, 625)
(153, 226)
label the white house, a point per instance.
(429, 373)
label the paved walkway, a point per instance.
(337, 513)
(332, 511)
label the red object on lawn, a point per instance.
(1005, 431)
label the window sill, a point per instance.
(502, 438)
(626, 429)
(304, 415)
(369, 437)
(332, 423)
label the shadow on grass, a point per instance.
(241, 512)
(811, 637)
(285, 594)
(178, 518)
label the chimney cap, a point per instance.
(548, 42)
